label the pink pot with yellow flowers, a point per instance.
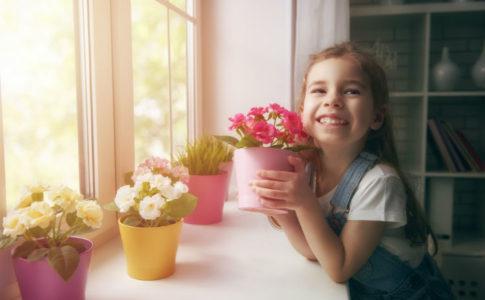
(51, 263)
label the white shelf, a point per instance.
(466, 246)
(383, 10)
(470, 175)
(406, 94)
(457, 94)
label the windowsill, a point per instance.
(242, 257)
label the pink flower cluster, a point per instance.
(272, 126)
(162, 166)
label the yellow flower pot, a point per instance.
(150, 251)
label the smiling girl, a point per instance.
(359, 217)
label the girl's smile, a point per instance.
(332, 121)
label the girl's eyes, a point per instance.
(318, 91)
(352, 92)
(346, 92)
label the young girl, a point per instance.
(359, 219)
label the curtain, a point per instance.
(318, 25)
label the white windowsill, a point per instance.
(242, 257)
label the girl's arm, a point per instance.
(343, 256)
(291, 226)
(340, 256)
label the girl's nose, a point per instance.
(333, 100)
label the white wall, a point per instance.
(246, 58)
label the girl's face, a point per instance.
(338, 108)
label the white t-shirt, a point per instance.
(380, 196)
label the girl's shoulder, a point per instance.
(380, 171)
(381, 178)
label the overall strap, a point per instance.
(352, 177)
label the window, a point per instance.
(38, 95)
(83, 94)
(163, 91)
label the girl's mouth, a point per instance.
(331, 120)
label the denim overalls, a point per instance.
(384, 276)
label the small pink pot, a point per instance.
(247, 162)
(211, 191)
(37, 280)
(227, 167)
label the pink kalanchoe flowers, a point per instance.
(271, 126)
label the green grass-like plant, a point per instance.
(205, 155)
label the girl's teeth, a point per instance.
(331, 121)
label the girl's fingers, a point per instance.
(269, 193)
(269, 203)
(276, 175)
(297, 163)
(269, 184)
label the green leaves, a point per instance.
(248, 141)
(181, 207)
(302, 147)
(38, 232)
(81, 229)
(38, 254)
(79, 246)
(132, 220)
(111, 206)
(127, 178)
(24, 249)
(64, 260)
(227, 139)
(71, 219)
(6, 241)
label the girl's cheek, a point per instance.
(305, 122)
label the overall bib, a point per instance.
(384, 276)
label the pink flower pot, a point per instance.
(227, 167)
(247, 162)
(211, 191)
(37, 280)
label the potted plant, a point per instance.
(208, 161)
(152, 208)
(267, 136)
(50, 262)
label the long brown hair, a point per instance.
(379, 142)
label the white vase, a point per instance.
(445, 73)
(478, 70)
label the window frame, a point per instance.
(3, 200)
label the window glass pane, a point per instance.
(150, 79)
(182, 4)
(37, 69)
(178, 63)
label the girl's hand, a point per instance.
(285, 190)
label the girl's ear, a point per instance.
(378, 118)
